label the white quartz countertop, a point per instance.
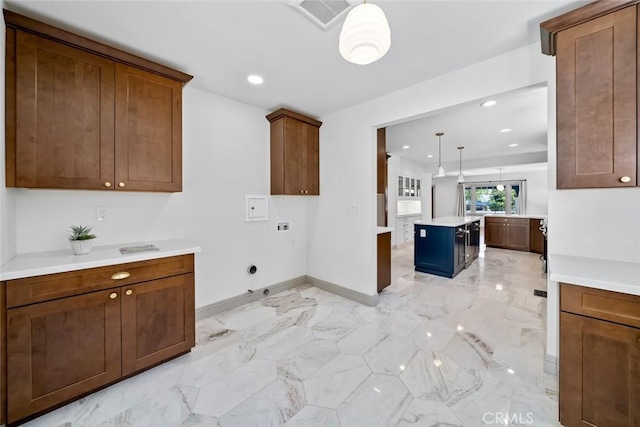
(518, 216)
(614, 276)
(40, 263)
(404, 215)
(449, 221)
(382, 230)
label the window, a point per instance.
(485, 197)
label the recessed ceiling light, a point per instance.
(513, 145)
(505, 130)
(256, 80)
(489, 103)
(405, 147)
(429, 155)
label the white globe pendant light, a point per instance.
(365, 35)
(500, 186)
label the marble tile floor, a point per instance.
(434, 352)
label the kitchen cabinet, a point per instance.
(536, 238)
(446, 250)
(596, 95)
(295, 163)
(69, 334)
(82, 115)
(404, 229)
(507, 233)
(599, 375)
(409, 187)
(384, 260)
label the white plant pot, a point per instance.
(81, 247)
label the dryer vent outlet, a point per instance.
(265, 292)
(252, 269)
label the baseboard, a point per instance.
(233, 302)
(370, 300)
(550, 364)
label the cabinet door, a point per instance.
(308, 159)
(61, 349)
(599, 373)
(158, 321)
(496, 233)
(536, 238)
(518, 238)
(596, 100)
(64, 116)
(384, 260)
(148, 140)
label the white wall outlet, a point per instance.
(102, 213)
(354, 209)
(283, 226)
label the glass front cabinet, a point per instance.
(408, 187)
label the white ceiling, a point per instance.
(221, 42)
(478, 128)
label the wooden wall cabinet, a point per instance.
(597, 97)
(81, 115)
(69, 334)
(295, 155)
(599, 358)
(507, 233)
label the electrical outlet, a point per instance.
(354, 209)
(283, 226)
(102, 213)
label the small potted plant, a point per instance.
(80, 238)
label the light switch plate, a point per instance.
(256, 208)
(102, 213)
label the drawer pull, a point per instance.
(625, 179)
(121, 275)
(113, 295)
(121, 184)
(128, 292)
(107, 184)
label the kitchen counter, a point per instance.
(450, 221)
(614, 276)
(408, 214)
(518, 216)
(41, 263)
(382, 230)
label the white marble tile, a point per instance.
(432, 335)
(541, 409)
(194, 420)
(314, 416)
(272, 406)
(334, 382)
(391, 355)
(242, 319)
(379, 401)
(287, 301)
(477, 392)
(425, 413)
(207, 369)
(468, 350)
(218, 397)
(284, 342)
(361, 339)
(335, 326)
(305, 361)
(430, 376)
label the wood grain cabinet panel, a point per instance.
(384, 260)
(64, 116)
(295, 154)
(61, 349)
(507, 233)
(596, 102)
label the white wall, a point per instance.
(225, 156)
(341, 247)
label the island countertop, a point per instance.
(449, 221)
(50, 262)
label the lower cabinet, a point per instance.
(384, 260)
(508, 233)
(444, 250)
(599, 358)
(60, 349)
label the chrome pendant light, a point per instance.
(460, 175)
(500, 186)
(365, 35)
(440, 171)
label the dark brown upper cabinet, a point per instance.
(83, 115)
(294, 154)
(596, 69)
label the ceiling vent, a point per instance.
(323, 13)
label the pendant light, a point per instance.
(440, 171)
(460, 175)
(500, 187)
(365, 35)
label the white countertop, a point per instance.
(449, 221)
(40, 263)
(409, 214)
(517, 216)
(382, 230)
(614, 276)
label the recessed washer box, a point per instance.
(256, 208)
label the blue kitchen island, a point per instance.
(447, 245)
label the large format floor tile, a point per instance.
(433, 352)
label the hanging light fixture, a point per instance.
(440, 171)
(460, 175)
(500, 187)
(365, 35)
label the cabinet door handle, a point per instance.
(306, 192)
(107, 184)
(113, 295)
(625, 179)
(121, 275)
(300, 191)
(121, 184)
(128, 292)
